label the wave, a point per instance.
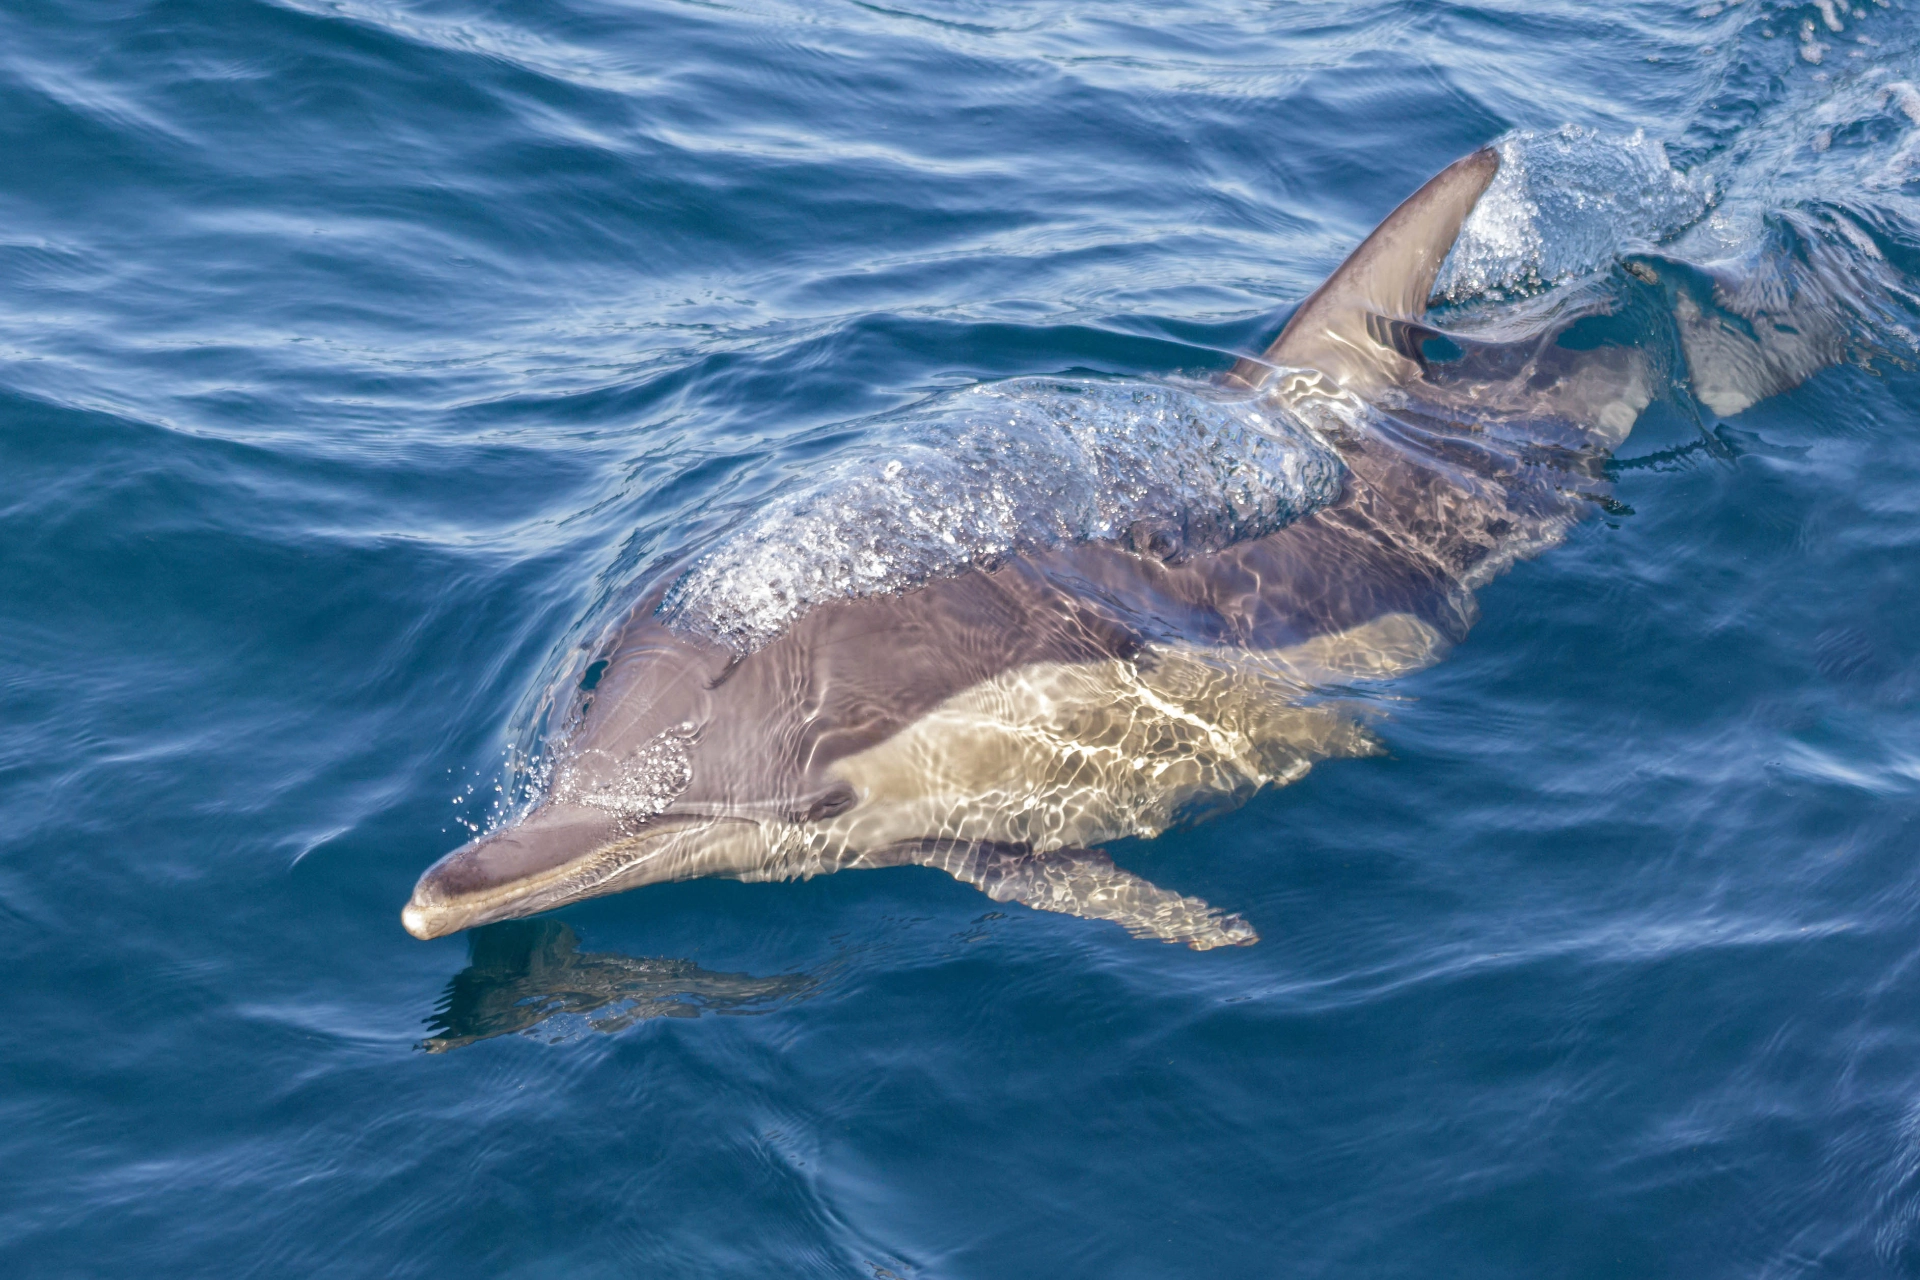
(1564, 203)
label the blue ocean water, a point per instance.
(357, 358)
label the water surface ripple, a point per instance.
(359, 360)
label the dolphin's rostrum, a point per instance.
(1012, 706)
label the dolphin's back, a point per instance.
(1428, 510)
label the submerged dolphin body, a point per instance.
(1002, 722)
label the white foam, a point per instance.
(1564, 203)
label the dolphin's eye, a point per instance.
(836, 801)
(1154, 538)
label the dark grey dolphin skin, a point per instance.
(1000, 725)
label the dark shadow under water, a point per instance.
(521, 973)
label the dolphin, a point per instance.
(1004, 721)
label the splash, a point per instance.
(974, 477)
(1564, 203)
(641, 785)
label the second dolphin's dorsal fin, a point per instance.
(1390, 276)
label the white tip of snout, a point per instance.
(416, 922)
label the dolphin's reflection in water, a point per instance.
(522, 973)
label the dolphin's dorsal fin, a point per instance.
(1390, 276)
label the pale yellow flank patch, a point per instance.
(1059, 755)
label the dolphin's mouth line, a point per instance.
(554, 887)
(529, 895)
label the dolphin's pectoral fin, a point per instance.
(1076, 882)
